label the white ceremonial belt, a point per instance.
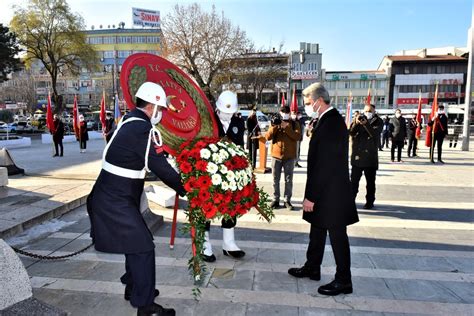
(123, 172)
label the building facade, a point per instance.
(343, 84)
(421, 70)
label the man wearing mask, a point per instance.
(413, 124)
(109, 127)
(385, 132)
(253, 131)
(232, 128)
(398, 130)
(117, 225)
(58, 136)
(328, 203)
(365, 136)
(440, 125)
(284, 134)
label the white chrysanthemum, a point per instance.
(212, 168)
(223, 169)
(205, 153)
(233, 186)
(240, 186)
(216, 158)
(216, 179)
(224, 154)
(231, 152)
(230, 176)
(221, 144)
(225, 186)
(213, 147)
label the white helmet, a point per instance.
(152, 93)
(227, 102)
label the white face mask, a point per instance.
(285, 116)
(293, 116)
(369, 115)
(156, 117)
(225, 117)
(440, 111)
(309, 109)
(397, 115)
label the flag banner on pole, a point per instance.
(349, 111)
(75, 118)
(368, 95)
(418, 119)
(430, 130)
(117, 113)
(294, 101)
(283, 101)
(49, 116)
(102, 111)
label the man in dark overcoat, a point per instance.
(328, 203)
(117, 225)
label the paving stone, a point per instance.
(217, 308)
(421, 290)
(305, 311)
(276, 256)
(274, 281)
(418, 263)
(239, 279)
(173, 276)
(267, 310)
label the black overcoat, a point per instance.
(58, 134)
(117, 226)
(235, 132)
(328, 184)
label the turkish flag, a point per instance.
(430, 130)
(49, 116)
(294, 101)
(102, 111)
(75, 118)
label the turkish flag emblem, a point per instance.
(157, 98)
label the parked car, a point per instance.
(10, 127)
(24, 127)
(263, 120)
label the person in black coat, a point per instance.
(365, 135)
(109, 127)
(411, 133)
(398, 132)
(253, 130)
(328, 203)
(117, 225)
(58, 136)
(385, 133)
(440, 123)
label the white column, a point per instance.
(468, 97)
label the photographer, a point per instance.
(365, 134)
(284, 134)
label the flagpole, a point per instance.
(434, 123)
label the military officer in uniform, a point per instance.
(232, 127)
(117, 225)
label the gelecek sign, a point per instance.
(189, 114)
(145, 17)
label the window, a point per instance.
(407, 70)
(347, 84)
(109, 54)
(123, 53)
(364, 84)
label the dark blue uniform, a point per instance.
(117, 225)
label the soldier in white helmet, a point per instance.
(233, 128)
(117, 225)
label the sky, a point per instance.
(352, 34)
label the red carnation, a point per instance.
(204, 182)
(210, 212)
(204, 195)
(201, 165)
(186, 167)
(195, 154)
(227, 196)
(218, 197)
(195, 202)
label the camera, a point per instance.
(276, 120)
(362, 117)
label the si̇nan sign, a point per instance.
(145, 17)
